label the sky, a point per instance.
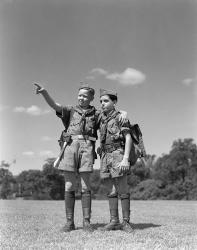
(143, 49)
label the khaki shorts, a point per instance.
(78, 156)
(109, 164)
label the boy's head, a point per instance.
(108, 100)
(85, 95)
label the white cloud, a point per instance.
(19, 109)
(188, 81)
(128, 77)
(33, 110)
(46, 138)
(98, 71)
(42, 153)
(46, 153)
(28, 153)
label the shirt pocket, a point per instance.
(113, 129)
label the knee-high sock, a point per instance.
(125, 202)
(113, 207)
(86, 202)
(69, 204)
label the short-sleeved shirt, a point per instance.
(77, 121)
(111, 128)
(79, 155)
(111, 131)
(64, 115)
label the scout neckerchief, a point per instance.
(90, 111)
(104, 121)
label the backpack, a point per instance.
(137, 149)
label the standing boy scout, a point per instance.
(115, 146)
(78, 150)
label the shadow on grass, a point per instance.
(141, 226)
(95, 226)
(98, 225)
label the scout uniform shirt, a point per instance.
(112, 143)
(81, 126)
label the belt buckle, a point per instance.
(92, 138)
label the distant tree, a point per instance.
(139, 172)
(178, 164)
(183, 153)
(32, 184)
(54, 180)
(178, 170)
(171, 176)
(6, 183)
(147, 189)
(163, 170)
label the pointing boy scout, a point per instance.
(78, 150)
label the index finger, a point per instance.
(36, 84)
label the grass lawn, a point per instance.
(157, 224)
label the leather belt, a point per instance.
(83, 137)
(110, 148)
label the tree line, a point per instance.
(172, 176)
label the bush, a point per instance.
(148, 189)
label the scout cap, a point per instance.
(86, 86)
(107, 92)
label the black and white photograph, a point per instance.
(98, 124)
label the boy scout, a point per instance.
(78, 150)
(115, 146)
(78, 155)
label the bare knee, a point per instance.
(85, 182)
(69, 186)
(110, 188)
(85, 187)
(70, 181)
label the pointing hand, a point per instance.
(39, 88)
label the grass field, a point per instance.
(158, 225)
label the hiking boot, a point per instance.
(69, 206)
(126, 227)
(125, 202)
(87, 227)
(113, 225)
(69, 226)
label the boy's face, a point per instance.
(107, 104)
(84, 98)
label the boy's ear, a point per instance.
(92, 98)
